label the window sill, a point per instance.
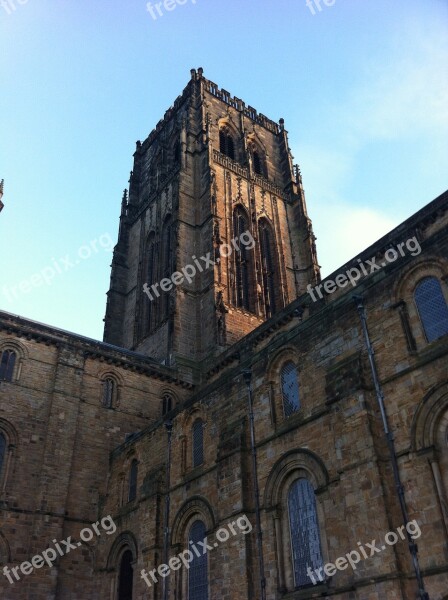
(313, 591)
(291, 422)
(430, 349)
(193, 473)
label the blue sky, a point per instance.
(362, 86)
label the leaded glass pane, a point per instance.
(242, 263)
(257, 164)
(290, 389)
(166, 404)
(198, 443)
(222, 142)
(230, 148)
(198, 573)
(7, 363)
(304, 529)
(108, 393)
(432, 308)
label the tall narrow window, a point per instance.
(133, 481)
(167, 404)
(150, 278)
(167, 263)
(108, 392)
(126, 577)
(226, 144)
(198, 572)
(432, 308)
(290, 388)
(268, 267)
(2, 451)
(259, 163)
(7, 363)
(198, 442)
(304, 531)
(243, 263)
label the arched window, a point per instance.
(304, 531)
(198, 572)
(432, 308)
(108, 392)
(268, 267)
(133, 472)
(150, 275)
(244, 297)
(2, 451)
(198, 442)
(167, 404)
(7, 363)
(226, 144)
(126, 577)
(259, 163)
(290, 388)
(167, 262)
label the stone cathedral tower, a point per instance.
(211, 170)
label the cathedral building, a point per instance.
(245, 430)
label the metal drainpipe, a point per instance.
(359, 302)
(247, 374)
(166, 528)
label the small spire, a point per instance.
(298, 174)
(124, 202)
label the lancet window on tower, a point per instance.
(226, 143)
(243, 260)
(149, 277)
(167, 263)
(268, 267)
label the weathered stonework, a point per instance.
(181, 176)
(69, 457)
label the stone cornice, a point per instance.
(90, 348)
